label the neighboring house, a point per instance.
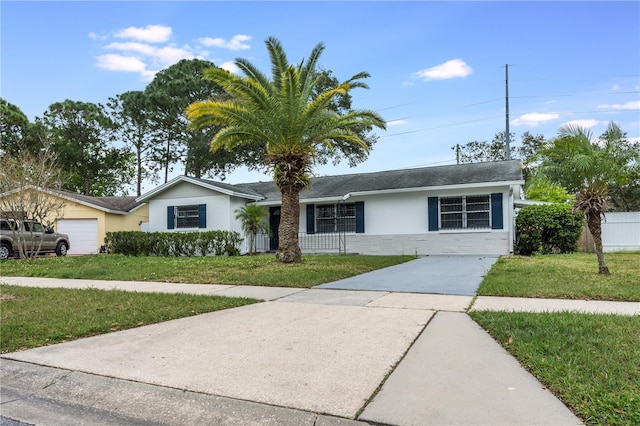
(459, 209)
(87, 219)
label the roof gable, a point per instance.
(224, 188)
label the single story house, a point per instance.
(454, 209)
(87, 219)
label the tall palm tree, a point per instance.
(253, 218)
(588, 167)
(283, 117)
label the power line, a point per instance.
(440, 127)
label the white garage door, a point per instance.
(83, 235)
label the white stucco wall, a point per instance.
(220, 215)
(397, 223)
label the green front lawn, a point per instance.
(32, 317)
(260, 270)
(591, 362)
(565, 276)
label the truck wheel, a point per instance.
(5, 251)
(61, 249)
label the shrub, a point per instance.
(135, 243)
(548, 228)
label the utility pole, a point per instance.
(457, 148)
(507, 136)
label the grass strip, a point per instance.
(33, 317)
(591, 362)
(565, 276)
(260, 270)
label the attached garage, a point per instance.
(86, 219)
(83, 235)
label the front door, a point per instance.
(274, 224)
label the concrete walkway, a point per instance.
(304, 357)
(458, 274)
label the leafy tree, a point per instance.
(286, 118)
(82, 135)
(624, 192)
(342, 104)
(170, 92)
(25, 183)
(589, 168)
(483, 151)
(253, 218)
(540, 188)
(13, 128)
(131, 113)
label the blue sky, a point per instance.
(437, 68)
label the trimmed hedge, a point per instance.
(548, 228)
(136, 243)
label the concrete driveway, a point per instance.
(459, 275)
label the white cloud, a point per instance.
(170, 55)
(584, 123)
(236, 42)
(535, 118)
(230, 66)
(396, 123)
(145, 49)
(631, 105)
(451, 69)
(116, 62)
(98, 37)
(149, 50)
(150, 33)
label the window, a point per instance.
(187, 216)
(335, 218)
(33, 226)
(465, 212)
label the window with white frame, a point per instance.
(332, 218)
(465, 212)
(187, 216)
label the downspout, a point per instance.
(512, 220)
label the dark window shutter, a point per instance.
(202, 215)
(433, 213)
(359, 217)
(311, 219)
(170, 217)
(496, 211)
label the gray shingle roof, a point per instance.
(123, 204)
(337, 186)
(248, 190)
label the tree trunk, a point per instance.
(594, 222)
(139, 174)
(166, 161)
(289, 250)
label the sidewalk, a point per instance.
(306, 356)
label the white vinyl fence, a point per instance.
(620, 231)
